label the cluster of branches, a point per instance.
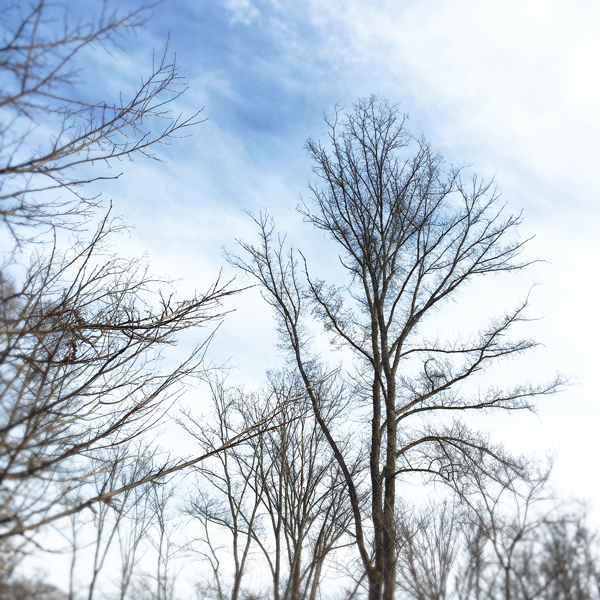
(81, 341)
(498, 542)
(276, 505)
(410, 236)
(51, 124)
(82, 330)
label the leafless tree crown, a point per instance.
(410, 236)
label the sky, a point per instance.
(509, 88)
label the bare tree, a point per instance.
(227, 502)
(81, 330)
(429, 543)
(411, 236)
(567, 567)
(132, 535)
(165, 524)
(521, 544)
(302, 489)
(280, 495)
(503, 538)
(504, 520)
(110, 517)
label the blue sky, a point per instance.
(509, 87)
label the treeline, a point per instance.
(269, 518)
(297, 490)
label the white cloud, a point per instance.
(242, 11)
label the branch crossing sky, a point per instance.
(509, 87)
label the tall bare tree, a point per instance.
(411, 236)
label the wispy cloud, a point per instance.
(511, 87)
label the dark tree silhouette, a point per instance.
(411, 236)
